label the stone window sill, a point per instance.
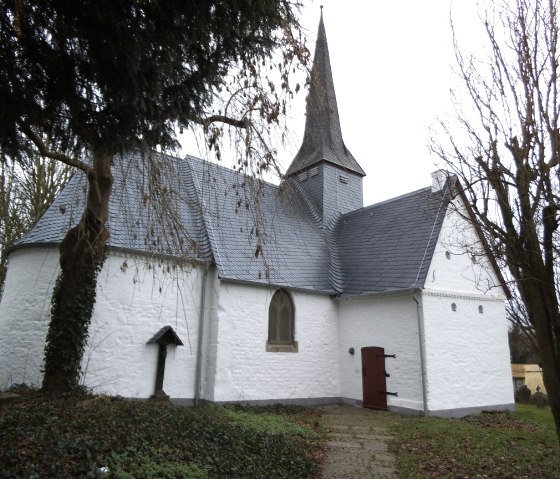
(282, 347)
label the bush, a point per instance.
(523, 395)
(97, 436)
(539, 399)
(131, 465)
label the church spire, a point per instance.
(322, 140)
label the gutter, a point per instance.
(270, 284)
(388, 292)
(198, 377)
(421, 337)
(112, 249)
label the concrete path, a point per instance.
(357, 444)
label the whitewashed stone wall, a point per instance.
(245, 371)
(467, 354)
(386, 321)
(467, 351)
(459, 263)
(24, 314)
(135, 298)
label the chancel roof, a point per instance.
(389, 246)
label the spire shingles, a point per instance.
(322, 140)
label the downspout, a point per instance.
(420, 314)
(198, 377)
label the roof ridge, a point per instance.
(390, 200)
(232, 170)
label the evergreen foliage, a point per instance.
(118, 74)
(83, 81)
(106, 437)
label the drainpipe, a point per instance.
(420, 314)
(198, 377)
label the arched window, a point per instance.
(281, 323)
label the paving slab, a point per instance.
(356, 444)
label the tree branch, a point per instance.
(44, 150)
(206, 121)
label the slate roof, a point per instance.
(389, 246)
(253, 231)
(135, 222)
(260, 232)
(257, 232)
(322, 140)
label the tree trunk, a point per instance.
(543, 311)
(82, 253)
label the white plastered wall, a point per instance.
(467, 352)
(390, 322)
(245, 371)
(136, 297)
(24, 314)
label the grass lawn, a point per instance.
(103, 437)
(492, 445)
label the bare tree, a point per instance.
(26, 190)
(505, 149)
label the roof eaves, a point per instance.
(384, 293)
(272, 285)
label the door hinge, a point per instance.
(388, 393)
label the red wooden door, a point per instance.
(373, 378)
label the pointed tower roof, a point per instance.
(322, 139)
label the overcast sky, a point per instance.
(392, 69)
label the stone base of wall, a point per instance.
(457, 412)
